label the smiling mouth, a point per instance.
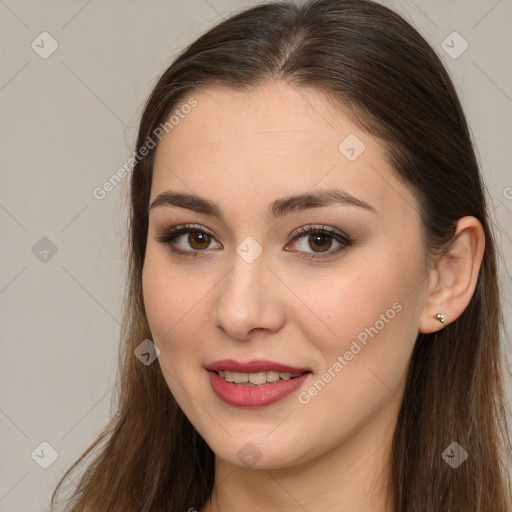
(256, 378)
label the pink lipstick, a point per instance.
(255, 383)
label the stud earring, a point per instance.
(440, 317)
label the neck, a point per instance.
(353, 477)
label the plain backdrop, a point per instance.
(68, 122)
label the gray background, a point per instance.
(68, 123)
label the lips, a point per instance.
(261, 394)
(255, 366)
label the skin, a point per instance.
(243, 150)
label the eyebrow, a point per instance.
(278, 208)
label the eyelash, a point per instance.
(167, 236)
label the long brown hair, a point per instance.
(380, 70)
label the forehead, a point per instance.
(273, 141)
(274, 116)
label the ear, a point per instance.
(453, 280)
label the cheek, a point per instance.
(172, 303)
(176, 310)
(367, 307)
(361, 364)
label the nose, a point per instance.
(248, 301)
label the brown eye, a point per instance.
(320, 242)
(188, 240)
(199, 240)
(316, 242)
(311, 242)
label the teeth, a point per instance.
(272, 376)
(239, 378)
(256, 378)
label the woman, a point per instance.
(312, 257)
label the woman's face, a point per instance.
(251, 174)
